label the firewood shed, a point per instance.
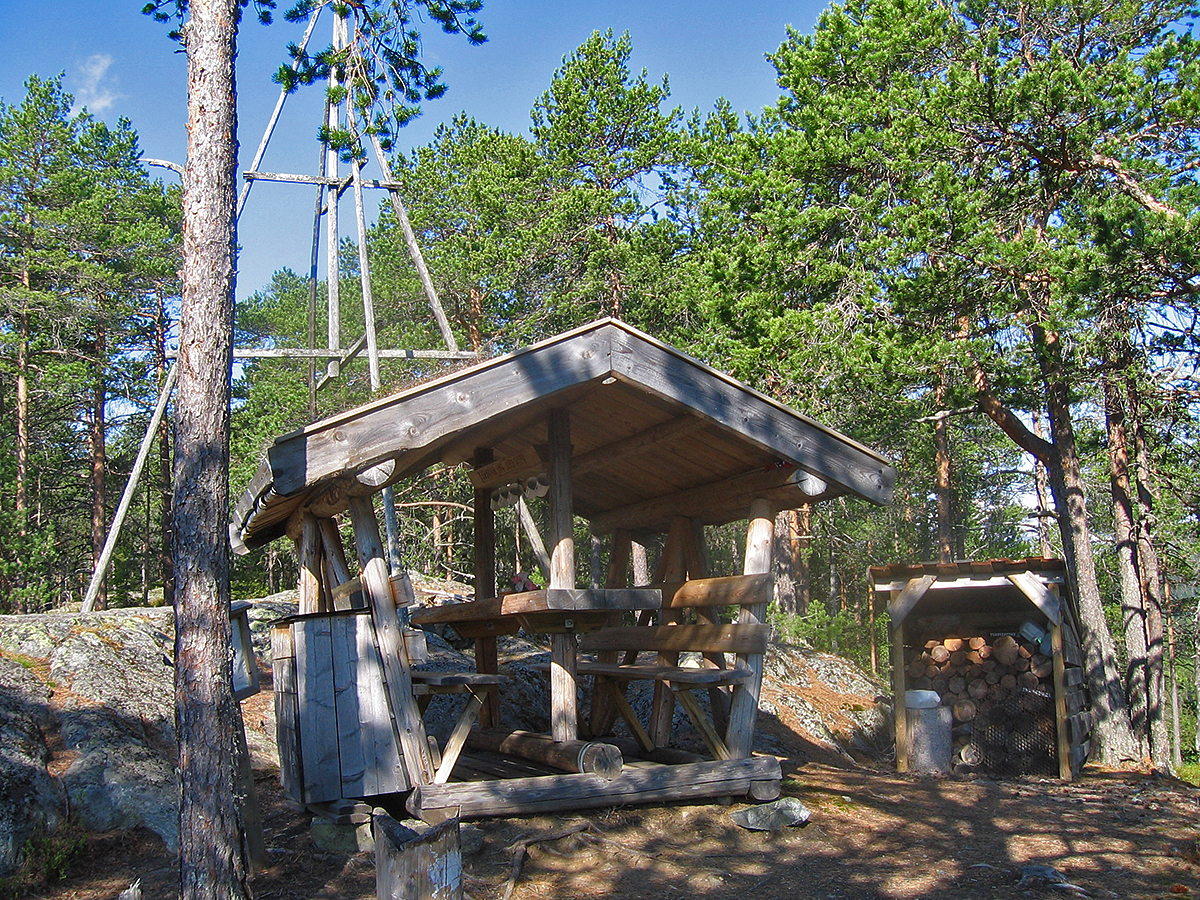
(997, 643)
(613, 427)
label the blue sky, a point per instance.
(118, 62)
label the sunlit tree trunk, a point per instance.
(1114, 733)
(1133, 611)
(212, 866)
(1151, 586)
(98, 458)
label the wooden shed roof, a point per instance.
(993, 587)
(654, 432)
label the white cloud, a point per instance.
(95, 90)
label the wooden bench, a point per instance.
(668, 641)
(427, 684)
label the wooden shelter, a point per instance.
(627, 433)
(997, 641)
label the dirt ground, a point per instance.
(873, 834)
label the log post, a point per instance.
(410, 730)
(674, 570)
(308, 558)
(743, 710)
(563, 708)
(899, 707)
(1062, 734)
(421, 863)
(486, 659)
(335, 556)
(604, 711)
(588, 757)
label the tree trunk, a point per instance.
(1133, 611)
(941, 444)
(211, 859)
(1113, 731)
(1041, 488)
(788, 557)
(98, 461)
(1151, 588)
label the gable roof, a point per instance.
(654, 432)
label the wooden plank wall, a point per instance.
(335, 732)
(321, 767)
(286, 737)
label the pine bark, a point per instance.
(1133, 611)
(1114, 733)
(1151, 588)
(212, 866)
(98, 458)
(941, 445)
(789, 557)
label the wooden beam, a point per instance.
(564, 715)
(637, 444)
(603, 713)
(535, 537)
(727, 590)
(335, 556)
(416, 418)
(899, 706)
(410, 730)
(1038, 594)
(458, 737)
(696, 714)
(616, 693)
(555, 793)
(699, 501)
(486, 654)
(679, 638)
(562, 522)
(334, 181)
(643, 361)
(902, 604)
(308, 555)
(673, 566)
(743, 707)
(1060, 703)
(589, 757)
(581, 600)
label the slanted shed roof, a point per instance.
(999, 588)
(654, 434)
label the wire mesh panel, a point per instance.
(1017, 735)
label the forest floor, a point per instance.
(873, 834)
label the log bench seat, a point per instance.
(456, 680)
(612, 672)
(692, 676)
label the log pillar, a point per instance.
(743, 709)
(563, 712)
(486, 659)
(410, 730)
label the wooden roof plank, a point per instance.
(418, 418)
(755, 416)
(916, 588)
(1041, 596)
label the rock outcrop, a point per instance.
(99, 690)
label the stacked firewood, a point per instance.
(977, 677)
